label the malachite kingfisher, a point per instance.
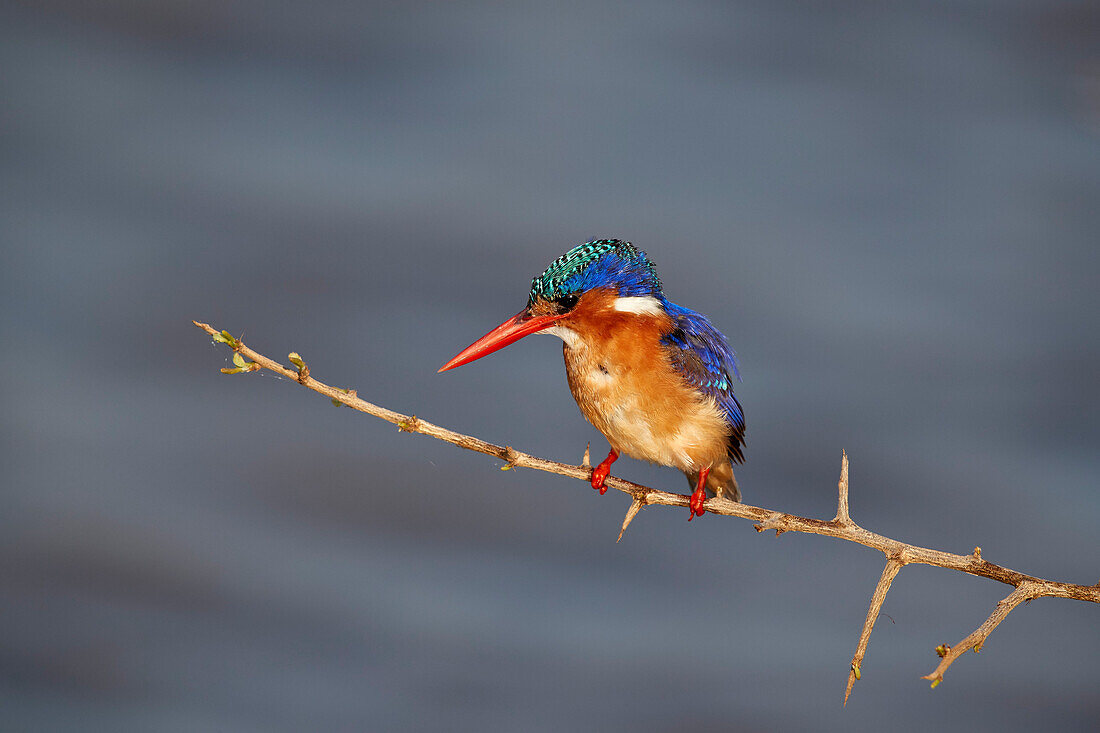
(654, 377)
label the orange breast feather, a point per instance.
(625, 385)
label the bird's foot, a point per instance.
(695, 506)
(602, 471)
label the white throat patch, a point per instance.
(640, 304)
(571, 338)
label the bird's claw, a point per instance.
(695, 506)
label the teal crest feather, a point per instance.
(598, 263)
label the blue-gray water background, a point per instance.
(892, 210)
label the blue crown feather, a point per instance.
(599, 263)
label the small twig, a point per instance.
(893, 565)
(975, 639)
(1027, 587)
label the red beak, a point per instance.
(520, 325)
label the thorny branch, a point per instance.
(898, 554)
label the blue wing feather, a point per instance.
(702, 354)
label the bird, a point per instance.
(655, 378)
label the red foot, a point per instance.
(602, 471)
(695, 506)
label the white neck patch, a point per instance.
(571, 338)
(640, 304)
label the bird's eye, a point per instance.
(566, 302)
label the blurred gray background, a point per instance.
(891, 210)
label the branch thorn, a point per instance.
(842, 517)
(631, 512)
